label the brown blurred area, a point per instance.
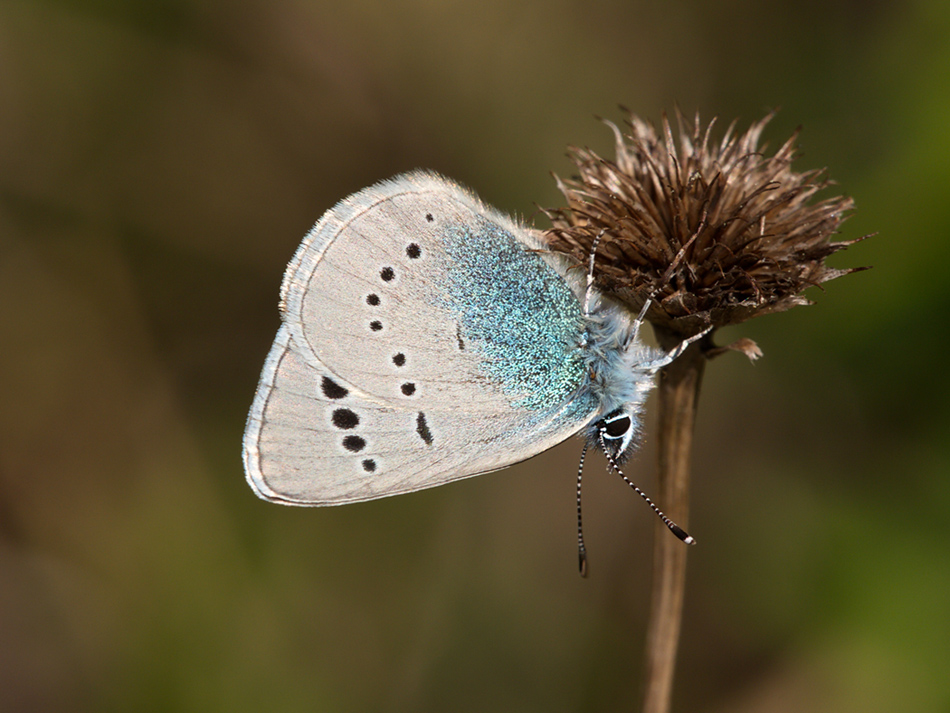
(159, 162)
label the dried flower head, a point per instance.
(716, 233)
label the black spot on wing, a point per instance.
(345, 419)
(331, 389)
(354, 443)
(422, 428)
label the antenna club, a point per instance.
(681, 533)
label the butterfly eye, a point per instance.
(616, 425)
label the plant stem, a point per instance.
(678, 396)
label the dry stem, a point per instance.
(678, 394)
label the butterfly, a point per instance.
(426, 337)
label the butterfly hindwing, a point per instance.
(311, 440)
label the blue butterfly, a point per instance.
(425, 338)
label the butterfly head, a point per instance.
(615, 433)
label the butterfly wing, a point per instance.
(310, 440)
(425, 340)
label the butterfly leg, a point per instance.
(671, 355)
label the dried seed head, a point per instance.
(716, 233)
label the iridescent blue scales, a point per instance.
(425, 338)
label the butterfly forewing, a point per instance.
(417, 294)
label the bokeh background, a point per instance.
(159, 162)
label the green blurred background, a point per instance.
(159, 162)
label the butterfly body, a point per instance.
(425, 338)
